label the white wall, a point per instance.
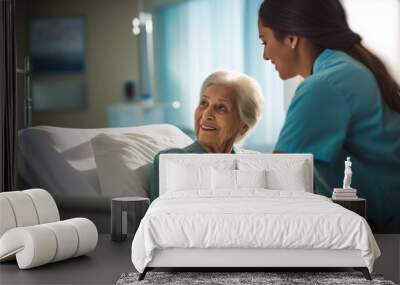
(378, 23)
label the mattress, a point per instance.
(251, 219)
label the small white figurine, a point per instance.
(347, 174)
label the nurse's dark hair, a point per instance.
(324, 24)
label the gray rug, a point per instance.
(229, 278)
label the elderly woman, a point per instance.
(229, 107)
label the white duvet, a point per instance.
(250, 219)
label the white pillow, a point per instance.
(191, 174)
(282, 174)
(225, 179)
(183, 178)
(251, 178)
(291, 178)
(124, 160)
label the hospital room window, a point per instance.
(194, 38)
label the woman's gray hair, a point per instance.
(247, 92)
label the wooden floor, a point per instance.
(102, 266)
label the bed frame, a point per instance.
(242, 259)
(248, 259)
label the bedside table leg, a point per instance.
(364, 271)
(143, 274)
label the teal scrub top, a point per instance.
(338, 112)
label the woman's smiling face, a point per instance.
(280, 53)
(217, 119)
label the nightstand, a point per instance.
(126, 214)
(358, 206)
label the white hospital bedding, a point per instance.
(250, 219)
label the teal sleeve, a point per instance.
(317, 121)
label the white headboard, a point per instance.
(286, 162)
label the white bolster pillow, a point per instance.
(87, 235)
(26, 208)
(23, 208)
(40, 244)
(7, 219)
(45, 205)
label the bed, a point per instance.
(245, 211)
(84, 168)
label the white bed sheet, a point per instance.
(252, 218)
